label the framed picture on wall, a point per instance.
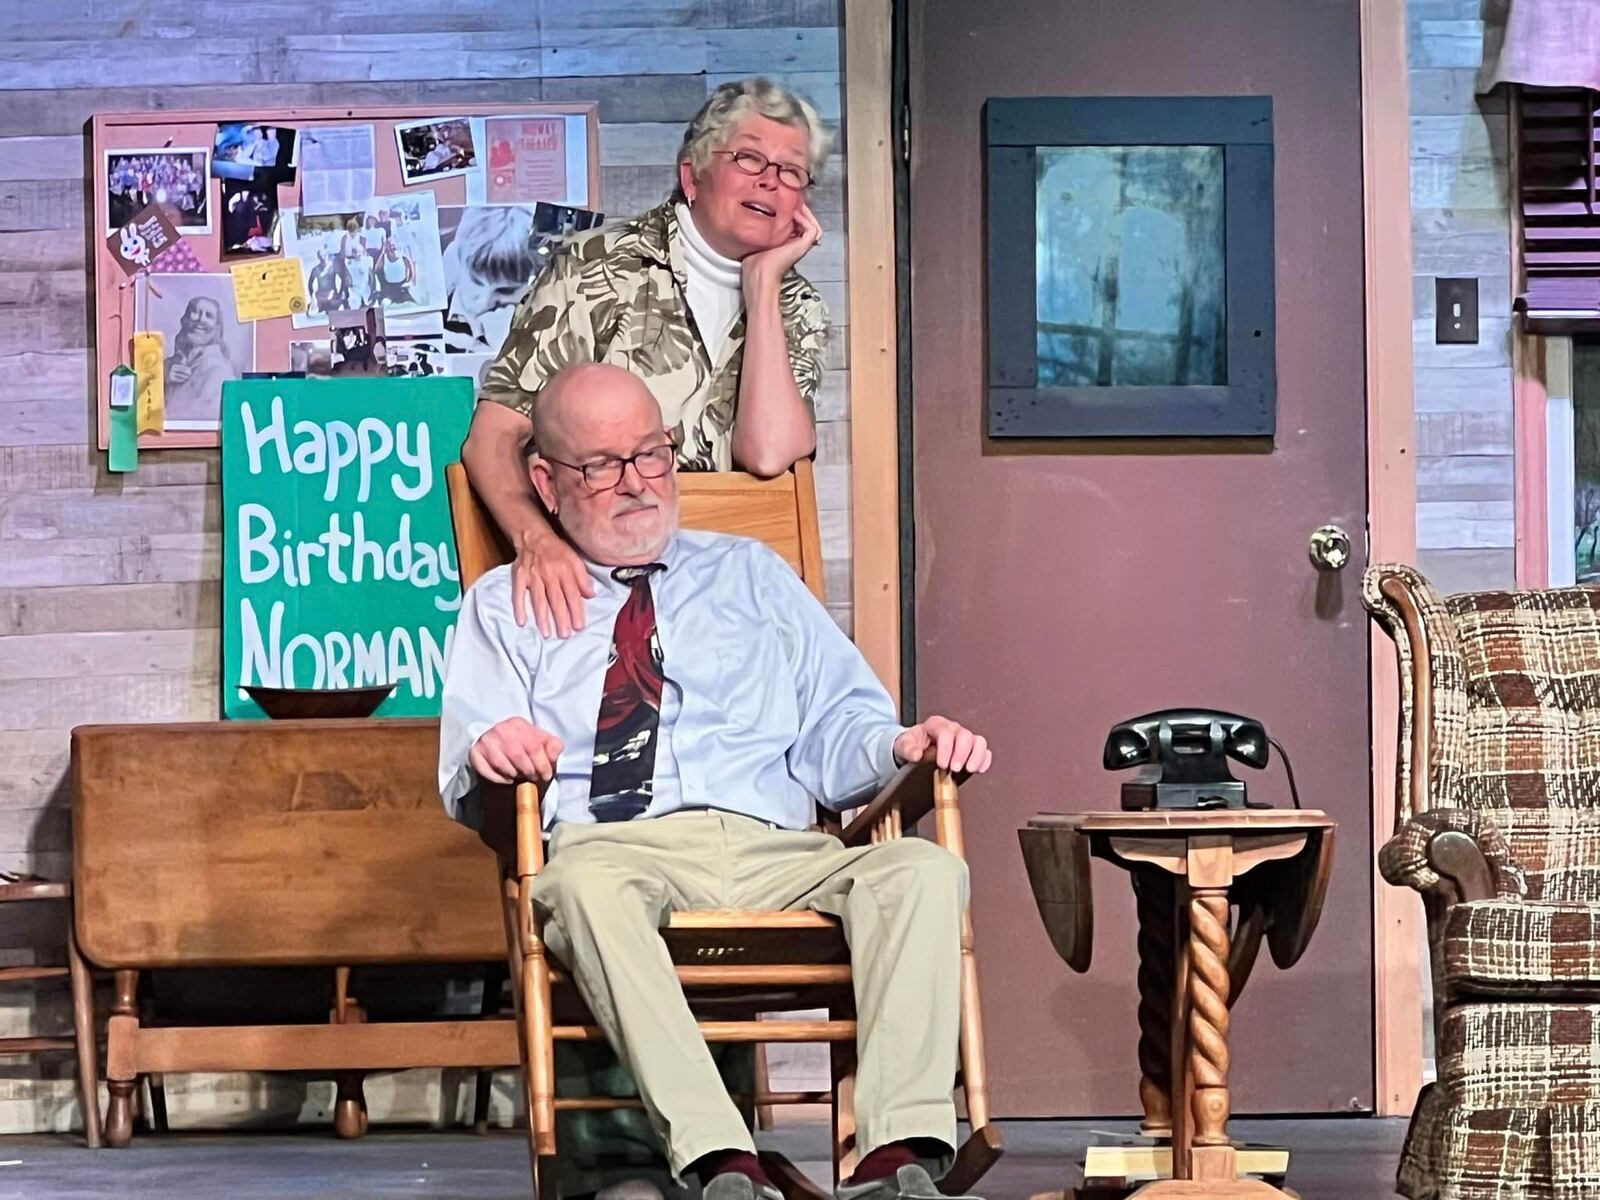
(1130, 267)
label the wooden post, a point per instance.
(874, 342)
(350, 1101)
(83, 1033)
(1210, 871)
(119, 1111)
(1391, 518)
(974, 1071)
(842, 1056)
(540, 1079)
(1153, 890)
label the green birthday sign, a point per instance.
(339, 565)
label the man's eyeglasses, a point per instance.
(753, 162)
(605, 473)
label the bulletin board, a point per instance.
(119, 296)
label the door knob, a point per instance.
(1330, 548)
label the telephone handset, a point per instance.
(1184, 752)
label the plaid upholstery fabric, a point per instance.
(1518, 948)
(1514, 1115)
(1418, 1174)
(1529, 750)
(1516, 719)
(1515, 762)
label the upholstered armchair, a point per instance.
(1498, 827)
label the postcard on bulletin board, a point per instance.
(381, 213)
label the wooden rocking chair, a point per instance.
(733, 965)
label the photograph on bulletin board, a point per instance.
(176, 181)
(435, 149)
(490, 251)
(387, 243)
(205, 343)
(385, 253)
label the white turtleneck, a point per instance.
(716, 293)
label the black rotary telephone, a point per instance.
(1185, 754)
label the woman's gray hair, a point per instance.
(720, 115)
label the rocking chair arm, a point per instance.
(910, 789)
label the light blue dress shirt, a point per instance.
(767, 706)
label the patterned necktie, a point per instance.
(621, 782)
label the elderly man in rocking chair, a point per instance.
(684, 732)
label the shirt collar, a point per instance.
(656, 229)
(660, 239)
(669, 557)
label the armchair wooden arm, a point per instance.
(530, 829)
(1456, 853)
(1461, 861)
(530, 968)
(914, 789)
(1413, 784)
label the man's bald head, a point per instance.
(585, 416)
(584, 406)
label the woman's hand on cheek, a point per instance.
(766, 268)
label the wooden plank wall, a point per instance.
(108, 586)
(1461, 227)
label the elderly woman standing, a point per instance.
(700, 298)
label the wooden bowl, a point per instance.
(288, 704)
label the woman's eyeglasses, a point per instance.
(605, 473)
(753, 162)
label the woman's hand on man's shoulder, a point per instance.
(549, 576)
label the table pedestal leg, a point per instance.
(1209, 1169)
(1154, 889)
(1178, 1037)
(1212, 1156)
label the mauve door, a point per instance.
(1062, 587)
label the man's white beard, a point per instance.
(648, 545)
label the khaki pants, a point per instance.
(609, 889)
(620, 1145)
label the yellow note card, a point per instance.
(149, 365)
(270, 287)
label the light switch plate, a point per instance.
(1455, 306)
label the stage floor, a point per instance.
(1333, 1159)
